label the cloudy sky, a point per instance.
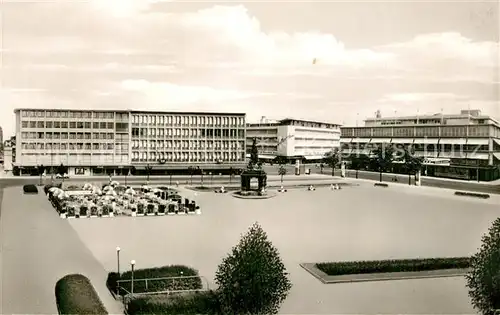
(254, 57)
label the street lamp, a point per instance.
(132, 264)
(118, 259)
(118, 269)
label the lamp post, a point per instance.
(118, 260)
(118, 269)
(132, 264)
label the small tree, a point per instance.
(413, 163)
(41, 171)
(383, 157)
(332, 158)
(282, 171)
(252, 279)
(483, 281)
(148, 171)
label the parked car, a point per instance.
(65, 175)
(30, 189)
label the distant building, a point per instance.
(114, 142)
(462, 146)
(293, 139)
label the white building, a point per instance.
(106, 141)
(462, 146)
(293, 139)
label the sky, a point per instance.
(331, 61)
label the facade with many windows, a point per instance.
(95, 141)
(465, 146)
(293, 139)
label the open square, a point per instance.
(361, 223)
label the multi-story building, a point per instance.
(293, 139)
(105, 141)
(464, 146)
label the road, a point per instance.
(273, 176)
(39, 248)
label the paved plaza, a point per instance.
(351, 224)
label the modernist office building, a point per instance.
(293, 139)
(97, 141)
(462, 146)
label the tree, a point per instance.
(413, 163)
(41, 171)
(252, 279)
(282, 171)
(359, 162)
(148, 171)
(483, 280)
(383, 157)
(332, 158)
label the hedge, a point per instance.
(76, 295)
(472, 194)
(156, 285)
(399, 265)
(189, 304)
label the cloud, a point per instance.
(167, 93)
(421, 97)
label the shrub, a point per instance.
(151, 208)
(161, 208)
(171, 208)
(252, 279)
(93, 210)
(83, 211)
(71, 211)
(76, 295)
(30, 189)
(398, 265)
(105, 209)
(140, 208)
(195, 303)
(169, 284)
(483, 280)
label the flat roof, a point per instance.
(286, 121)
(133, 111)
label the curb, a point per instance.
(326, 279)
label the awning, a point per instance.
(360, 140)
(496, 155)
(267, 156)
(380, 140)
(314, 157)
(401, 140)
(475, 141)
(426, 141)
(345, 140)
(497, 141)
(478, 156)
(461, 141)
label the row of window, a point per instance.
(435, 131)
(423, 147)
(121, 127)
(72, 135)
(188, 120)
(185, 132)
(192, 144)
(72, 114)
(187, 156)
(74, 146)
(312, 124)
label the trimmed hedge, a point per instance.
(399, 265)
(156, 285)
(472, 194)
(30, 189)
(189, 304)
(76, 295)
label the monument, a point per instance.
(254, 178)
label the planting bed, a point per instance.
(398, 265)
